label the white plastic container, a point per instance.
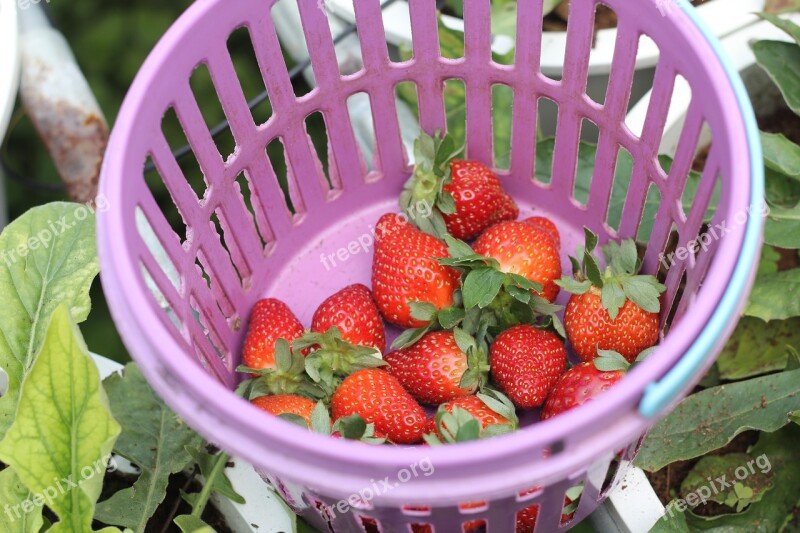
(723, 16)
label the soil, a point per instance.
(172, 506)
(667, 481)
(781, 121)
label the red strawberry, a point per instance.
(479, 411)
(354, 312)
(479, 199)
(467, 194)
(379, 398)
(589, 327)
(508, 210)
(435, 369)
(405, 270)
(286, 404)
(270, 320)
(616, 309)
(523, 249)
(548, 226)
(526, 364)
(579, 385)
(526, 519)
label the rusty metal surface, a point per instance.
(63, 109)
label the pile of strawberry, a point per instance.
(481, 336)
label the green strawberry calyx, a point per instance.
(432, 157)
(477, 373)
(611, 360)
(620, 281)
(333, 358)
(287, 377)
(352, 427)
(460, 426)
(493, 298)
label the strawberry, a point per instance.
(488, 414)
(354, 312)
(379, 399)
(526, 364)
(441, 366)
(523, 249)
(579, 385)
(270, 320)
(466, 195)
(548, 226)
(287, 376)
(405, 270)
(286, 404)
(616, 309)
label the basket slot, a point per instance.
(175, 327)
(242, 246)
(579, 45)
(231, 95)
(158, 188)
(268, 197)
(270, 59)
(408, 115)
(528, 51)
(172, 297)
(196, 130)
(663, 85)
(220, 299)
(635, 200)
(477, 51)
(605, 172)
(320, 44)
(425, 38)
(245, 62)
(317, 129)
(565, 152)
(203, 89)
(155, 246)
(622, 69)
(455, 111)
(614, 198)
(348, 158)
(503, 99)
(523, 136)
(251, 204)
(209, 346)
(652, 208)
(388, 138)
(301, 160)
(371, 33)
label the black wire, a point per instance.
(29, 183)
(294, 73)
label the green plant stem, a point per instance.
(208, 485)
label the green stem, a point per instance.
(208, 485)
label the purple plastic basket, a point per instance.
(182, 299)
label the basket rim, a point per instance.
(337, 466)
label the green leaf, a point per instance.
(775, 296)
(671, 522)
(23, 516)
(212, 468)
(63, 431)
(50, 273)
(321, 419)
(409, 337)
(450, 317)
(590, 240)
(776, 511)
(575, 287)
(612, 297)
(609, 361)
(153, 438)
(424, 311)
(781, 154)
(750, 485)
(192, 524)
(784, 24)
(769, 260)
(643, 291)
(709, 419)
(458, 248)
(780, 60)
(592, 269)
(757, 348)
(782, 227)
(504, 18)
(481, 286)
